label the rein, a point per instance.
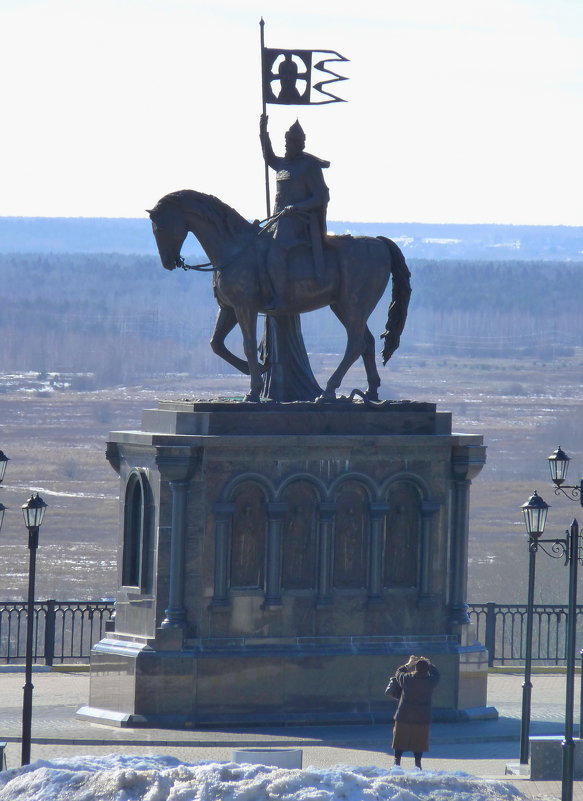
(208, 267)
(205, 267)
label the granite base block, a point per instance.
(277, 682)
(546, 758)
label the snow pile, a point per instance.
(132, 778)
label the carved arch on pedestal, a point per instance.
(241, 532)
(257, 478)
(248, 541)
(352, 495)
(301, 499)
(137, 569)
(408, 537)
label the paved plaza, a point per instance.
(481, 748)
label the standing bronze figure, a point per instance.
(300, 206)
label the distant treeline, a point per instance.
(418, 240)
(529, 308)
(122, 317)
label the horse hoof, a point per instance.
(326, 397)
(252, 398)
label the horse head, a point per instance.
(170, 230)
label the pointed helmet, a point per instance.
(296, 133)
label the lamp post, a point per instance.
(535, 513)
(3, 463)
(568, 744)
(559, 466)
(535, 516)
(33, 511)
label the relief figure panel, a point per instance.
(351, 537)
(299, 554)
(402, 536)
(248, 534)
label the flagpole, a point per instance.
(267, 198)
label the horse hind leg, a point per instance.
(354, 349)
(372, 374)
(367, 351)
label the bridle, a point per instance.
(209, 267)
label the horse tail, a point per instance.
(399, 300)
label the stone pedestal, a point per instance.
(278, 561)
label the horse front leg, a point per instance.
(248, 323)
(226, 321)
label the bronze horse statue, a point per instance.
(356, 273)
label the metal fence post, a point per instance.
(490, 634)
(581, 697)
(50, 618)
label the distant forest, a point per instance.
(417, 240)
(120, 318)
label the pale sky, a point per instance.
(458, 110)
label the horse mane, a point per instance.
(207, 207)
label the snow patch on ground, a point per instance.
(117, 777)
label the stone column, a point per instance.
(276, 515)
(176, 466)
(428, 509)
(377, 512)
(223, 518)
(325, 529)
(467, 461)
(176, 613)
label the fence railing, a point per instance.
(65, 631)
(502, 629)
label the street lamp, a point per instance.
(3, 463)
(559, 465)
(535, 514)
(33, 511)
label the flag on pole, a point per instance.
(290, 77)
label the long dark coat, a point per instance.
(415, 702)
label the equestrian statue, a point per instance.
(288, 265)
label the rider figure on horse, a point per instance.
(301, 201)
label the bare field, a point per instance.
(56, 444)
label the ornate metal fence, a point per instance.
(502, 629)
(64, 631)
